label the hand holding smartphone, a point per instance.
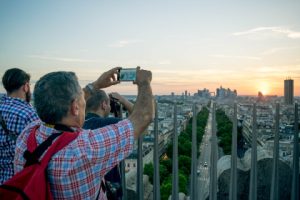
(127, 74)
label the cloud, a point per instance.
(64, 59)
(275, 29)
(278, 49)
(124, 43)
(164, 62)
(236, 57)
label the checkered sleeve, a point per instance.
(111, 144)
(21, 146)
(32, 117)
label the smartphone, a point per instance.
(127, 74)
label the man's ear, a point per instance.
(75, 108)
(102, 105)
(26, 87)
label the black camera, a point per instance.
(115, 106)
(113, 190)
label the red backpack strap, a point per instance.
(32, 157)
(31, 141)
(61, 142)
(31, 153)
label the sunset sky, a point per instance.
(249, 46)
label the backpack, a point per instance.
(31, 183)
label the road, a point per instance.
(204, 161)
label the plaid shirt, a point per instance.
(76, 171)
(17, 114)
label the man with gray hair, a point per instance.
(76, 171)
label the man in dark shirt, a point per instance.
(98, 108)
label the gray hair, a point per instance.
(53, 95)
(95, 100)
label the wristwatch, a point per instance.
(90, 87)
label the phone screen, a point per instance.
(128, 74)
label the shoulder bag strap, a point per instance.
(10, 134)
(3, 124)
(34, 152)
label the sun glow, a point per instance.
(264, 88)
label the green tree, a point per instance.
(168, 164)
(169, 150)
(163, 173)
(224, 131)
(184, 147)
(166, 188)
(184, 163)
(182, 183)
(149, 170)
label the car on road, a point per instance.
(198, 172)
(205, 164)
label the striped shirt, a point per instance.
(76, 171)
(17, 114)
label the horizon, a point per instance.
(188, 45)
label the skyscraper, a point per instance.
(288, 91)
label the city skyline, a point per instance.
(188, 45)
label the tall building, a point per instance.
(203, 93)
(288, 91)
(226, 93)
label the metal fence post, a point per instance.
(193, 186)
(233, 176)
(122, 164)
(253, 172)
(295, 184)
(140, 183)
(156, 183)
(274, 183)
(175, 190)
(214, 159)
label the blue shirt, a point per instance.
(17, 114)
(93, 121)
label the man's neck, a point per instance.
(16, 94)
(97, 113)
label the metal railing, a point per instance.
(194, 191)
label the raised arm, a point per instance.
(107, 79)
(142, 113)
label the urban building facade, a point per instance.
(288, 91)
